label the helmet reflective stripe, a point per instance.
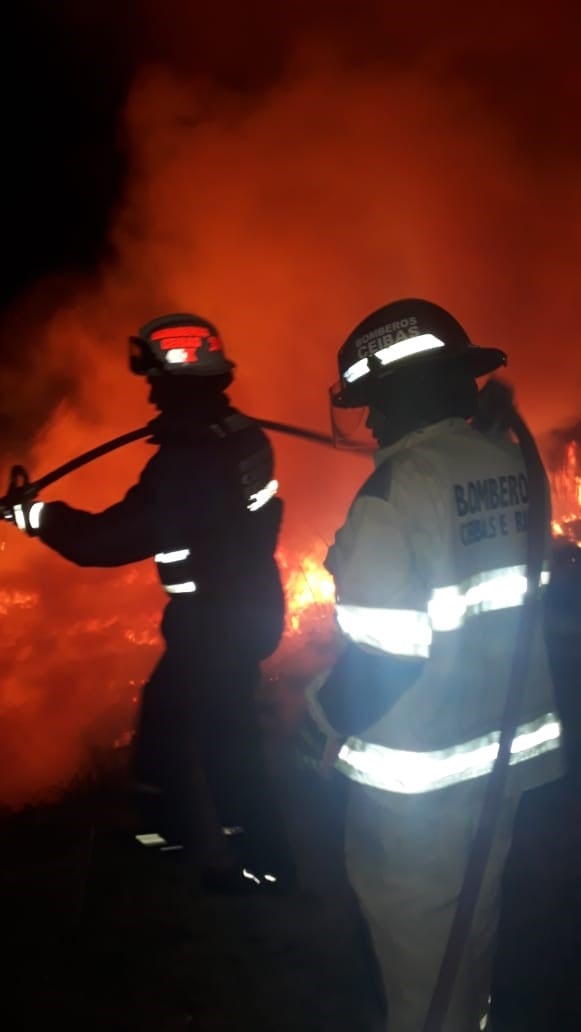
(394, 353)
(182, 344)
(179, 343)
(175, 356)
(410, 773)
(261, 497)
(185, 588)
(172, 557)
(408, 632)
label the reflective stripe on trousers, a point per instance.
(409, 632)
(410, 773)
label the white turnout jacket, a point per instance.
(433, 567)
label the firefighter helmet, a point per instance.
(178, 344)
(399, 335)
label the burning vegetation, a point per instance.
(564, 457)
(77, 646)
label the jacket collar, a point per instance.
(417, 437)
(184, 426)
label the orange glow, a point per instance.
(17, 599)
(283, 218)
(76, 651)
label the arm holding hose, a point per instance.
(126, 532)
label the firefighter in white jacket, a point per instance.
(430, 573)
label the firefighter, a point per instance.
(430, 575)
(206, 510)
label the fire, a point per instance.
(309, 589)
(17, 600)
(566, 494)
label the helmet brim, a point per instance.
(479, 362)
(223, 369)
(483, 361)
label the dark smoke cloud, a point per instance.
(521, 58)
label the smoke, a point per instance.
(284, 183)
(347, 159)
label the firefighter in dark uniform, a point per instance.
(206, 509)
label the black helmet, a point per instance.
(176, 345)
(399, 335)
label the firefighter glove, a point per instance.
(26, 515)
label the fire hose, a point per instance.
(21, 488)
(482, 842)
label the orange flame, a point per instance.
(566, 496)
(309, 589)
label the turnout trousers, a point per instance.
(199, 742)
(406, 857)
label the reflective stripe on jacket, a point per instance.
(174, 567)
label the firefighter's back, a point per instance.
(220, 517)
(464, 498)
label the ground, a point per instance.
(101, 936)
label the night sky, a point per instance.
(62, 168)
